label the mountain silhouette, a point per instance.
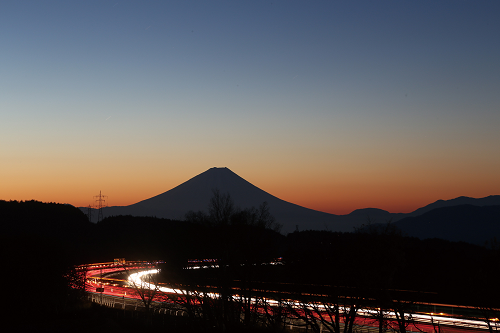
(491, 200)
(467, 223)
(195, 195)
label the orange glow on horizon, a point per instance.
(394, 189)
(337, 199)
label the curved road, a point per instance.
(97, 277)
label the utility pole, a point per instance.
(101, 203)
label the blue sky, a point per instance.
(333, 105)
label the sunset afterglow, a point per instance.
(330, 105)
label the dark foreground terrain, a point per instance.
(41, 242)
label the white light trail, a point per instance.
(135, 278)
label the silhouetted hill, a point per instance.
(51, 220)
(150, 238)
(40, 242)
(467, 223)
(375, 261)
(491, 200)
(140, 238)
(372, 215)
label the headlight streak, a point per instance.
(202, 267)
(136, 280)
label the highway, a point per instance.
(132, 273)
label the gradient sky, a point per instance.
(333, 105)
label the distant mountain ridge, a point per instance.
(491, 200)
(195, 194)
(464, 222)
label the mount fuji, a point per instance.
(195, 195)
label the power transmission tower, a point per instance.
(101, 203)
(89, 213)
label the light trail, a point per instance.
(431, 319)
(136, 281)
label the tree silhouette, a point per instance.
(144, 283)
(221, 208)
(242, 241)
